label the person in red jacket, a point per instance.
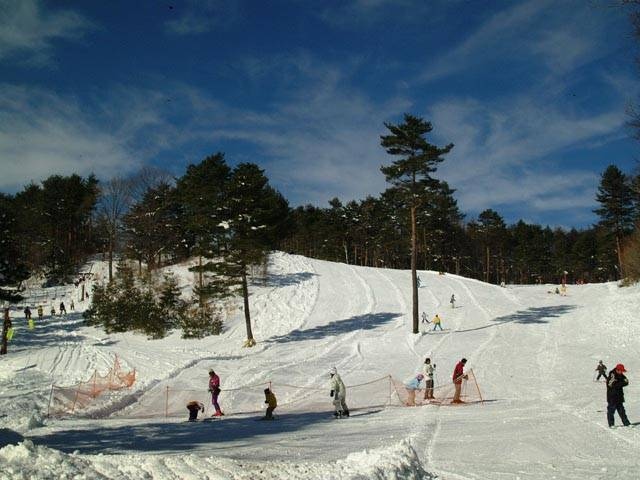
(214, 389)
(458, 376)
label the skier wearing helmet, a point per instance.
(412, 386)
(339, 394)
(616, 381)
(214, 389)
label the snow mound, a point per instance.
(27, 461)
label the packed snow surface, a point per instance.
(533, 352)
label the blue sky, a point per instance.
(533, 94)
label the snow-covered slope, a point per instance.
(533, 353)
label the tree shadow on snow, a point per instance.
(530, 316)
(47, 332)
(182, 436)
(366, 321)
(275, 280)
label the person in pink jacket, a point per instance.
(214, 388)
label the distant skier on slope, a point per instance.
(458, 376)
(616, 381)
(339, 394)
(63, 309)
(214, 389)
(418, 282)
(40, 312)
(437, 322)
(412, 386)
(453, 301)
(601, 368)
(429, 370)
(27, 313)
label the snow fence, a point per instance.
(69, 400)
(170, 400)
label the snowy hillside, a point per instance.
(533, 353)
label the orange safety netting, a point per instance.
(171, 400)
(72, 399)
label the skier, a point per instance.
(53, 311)
(27, 313)
(72, 306)
(63, 310)
(458, 376)
(412, 386)
(424, 322)
(419, 282)
(339, 394)
(40, 312)
(214, 389)
(270, 400)
(615, 395)
(453, 301)
(429, 370)
(194, 407)
(437, 322)
(601, 368)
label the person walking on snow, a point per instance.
(601, 368)
(339, 394)
(72, 306)
(437, 322)
(270, 400)
(412, 386)
(63, 310)
(27, 313)
(453, 301)
(418, 282)
(458, 376)
(214, 389)
(429, 370)
(616, 381)
(40, 312)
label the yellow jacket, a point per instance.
(436, 319)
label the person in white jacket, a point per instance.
(339, 394)
(428, 369)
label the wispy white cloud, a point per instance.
(28, 30)
(195, 17)
(557, 37)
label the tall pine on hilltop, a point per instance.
(616, 208)
(411, 175)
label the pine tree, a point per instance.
(411, 174)
(616, 211)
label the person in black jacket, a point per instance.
(616, 381)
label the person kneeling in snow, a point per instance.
(412, 386)
(194, 407)
(339, 394)
(270, 400)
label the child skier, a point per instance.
(214, 389)
(339, 394)
(458, 376)
(453, 301)
(601, 368)
(270, 400)
(437, 322)
(429, 370)
(194, 407)
(412, 386)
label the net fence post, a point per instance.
(166, 403)
(477, 386)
